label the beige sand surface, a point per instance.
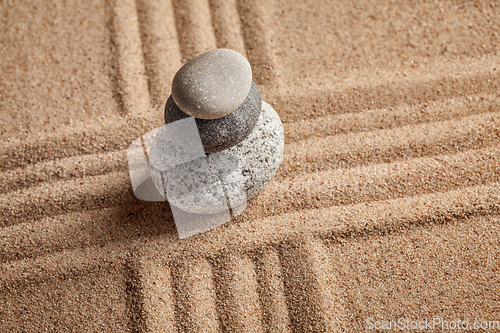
(386, 206)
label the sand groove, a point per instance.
(324, 189)
(36, 202)
(194, 27)
(195, 306)
(57, 235)
(160, 43)
(330, 299)
(94, 228)
(92, 192)
(115, 136)
(392, 117)
(329, 126)
(157, 292)
(304, 288)
(227, 25)
(293, 105)
(347, 150)
(80, 166)
(341, 221)
(377, 182)
(317, 190)
(133, 88)
(89, 140)
(134, 293)
(237, 294)
(271, 290)
(259, 41)
(391, 215)
(69, 263)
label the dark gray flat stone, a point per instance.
(226, 132)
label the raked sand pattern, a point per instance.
(386, 205)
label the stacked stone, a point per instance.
(216, 88)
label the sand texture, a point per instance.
(386, 205)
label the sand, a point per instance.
(386, 205)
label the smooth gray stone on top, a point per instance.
(260, 154)
(223, 133)
(213, 84)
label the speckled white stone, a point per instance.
(180, 168)
(204, 185)
(213, 84)
(260, 154)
